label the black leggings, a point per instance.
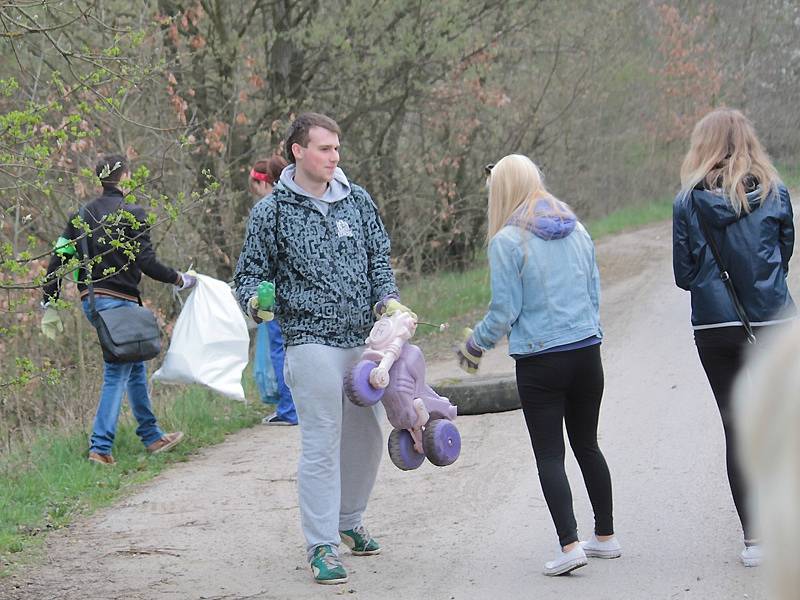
(722, 351)
(567, 387)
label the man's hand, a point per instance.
(51, 323)
(468, 353)
(258, 315)
(390, 305)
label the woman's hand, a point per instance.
(468, 353)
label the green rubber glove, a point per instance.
(391, 306)
(51, 323)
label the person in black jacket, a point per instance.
(119, 235)
(731, 190)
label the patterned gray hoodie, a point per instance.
(328, 258)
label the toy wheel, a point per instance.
(442, 442)
(401, 450)
(357, 385)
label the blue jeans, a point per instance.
(117, 378)
(285, 409)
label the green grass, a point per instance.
(790, 175)
(439, 297)
(47, 484)
(630, 218)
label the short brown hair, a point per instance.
(109, 169)
(298, 130)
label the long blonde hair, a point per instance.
(723, 151)
(516, 181)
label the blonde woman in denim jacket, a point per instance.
(546, 298)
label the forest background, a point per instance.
(602, 94)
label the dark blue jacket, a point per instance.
(755, 246)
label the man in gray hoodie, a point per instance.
(320, 239)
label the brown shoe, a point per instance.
(168, 442)
(101, 459)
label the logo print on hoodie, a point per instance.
(343, 229)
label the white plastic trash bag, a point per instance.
(210, 341)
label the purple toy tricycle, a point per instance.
(393, 370)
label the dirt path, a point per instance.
(226, 524)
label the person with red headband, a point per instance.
(263, 176)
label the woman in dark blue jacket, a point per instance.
(731, 190)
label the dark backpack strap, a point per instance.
(726, 278)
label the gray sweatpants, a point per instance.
(341, 443)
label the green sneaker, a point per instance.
(326, 566)
(360, 542)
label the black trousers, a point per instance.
(558, 388)
(722, 353)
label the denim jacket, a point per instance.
(328, 269)
(545, 286)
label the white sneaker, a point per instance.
(274, 419)
(566, 562)
(751, 555)
(606, 549)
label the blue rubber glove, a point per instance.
(188, 280)
(468, 353)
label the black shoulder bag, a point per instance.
(726, 278)
(129, 333)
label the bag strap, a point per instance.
(87, 257)
(726, 278)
